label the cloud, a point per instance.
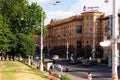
(75, 8)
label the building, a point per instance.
(79, 35)
(107, 30)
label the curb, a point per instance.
(50, 76)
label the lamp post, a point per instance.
(41, 42)
(41, 37)
(93, 41)
(115, 33)
(67, 44)
(94, 44)
(67, 51)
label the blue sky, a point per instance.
(67, 8)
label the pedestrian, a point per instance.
(67, 70)
(89, 76)
(61, 68)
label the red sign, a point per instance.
(90, 8)
(84, 8)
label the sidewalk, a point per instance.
(70, 76)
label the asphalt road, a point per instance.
(99, 72)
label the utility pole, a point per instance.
(67, 51)
(115, 33)
(41, 37)
(114, 44)
(41, 42)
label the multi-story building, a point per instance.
(107, 23)
(80, 34)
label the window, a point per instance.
(91, 24)
(87, 17)
(87, 41)
(87, 23)
(79, 29)
(91, 29)
(91, 17)
(79, 44)
(97, 23)
(97, 30)
(88, 35)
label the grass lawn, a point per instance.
(14, 70)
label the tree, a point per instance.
(5, 36)
(25, 44)
(35, 13)
(22, 19)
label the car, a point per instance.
(93, 62)
(73, 61)
(104, 60)
(89, 62)
(55, 57)
(86, 63)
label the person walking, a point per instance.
(89, 76)
(61, 68)
(67, 70)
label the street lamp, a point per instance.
(41, 42)
(67, 44)
(67, 51)
(94, 44)
(115, 33)
(41, 38)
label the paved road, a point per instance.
(99, 72)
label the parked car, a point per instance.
(86, 63)
(104, 60)
(55, 57)
(89, 62)
(73, 61)
(93, 62)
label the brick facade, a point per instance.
(80, 31)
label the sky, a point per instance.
(67, 8)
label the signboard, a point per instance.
(91, 8)
(105, 43)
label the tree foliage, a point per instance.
(18, 20)
(5, 35)
(25, 44)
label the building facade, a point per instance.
(79, 34)
(107, 23)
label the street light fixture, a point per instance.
(94, 44)
(41, 37)
(115, 33)
(67, 44)
(67, 51)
